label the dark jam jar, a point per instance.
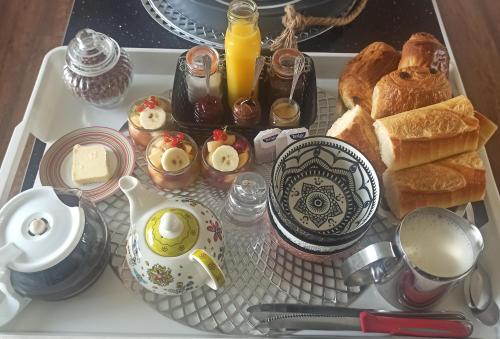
(281, 74)
(97, 70)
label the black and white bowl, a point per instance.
(324, 194)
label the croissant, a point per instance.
(360, 75)
(408, 88)
(423, 49)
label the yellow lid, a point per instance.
(171, 232)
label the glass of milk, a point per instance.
(432, 251)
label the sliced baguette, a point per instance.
(426, 134)
(445, 183)
(486, 128)
(356, 127)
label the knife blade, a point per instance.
(265, 311)
(319, 317)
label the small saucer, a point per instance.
(55, 168)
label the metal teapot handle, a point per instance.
(11, 303)
(208, 263)
(363, 267)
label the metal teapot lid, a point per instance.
(42, 227)
(171, 232)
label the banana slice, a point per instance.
(135, 120)
(152, 118)
(174, 159)
(155, 156)
(225, 158)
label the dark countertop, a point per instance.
(391, 21)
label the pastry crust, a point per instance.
(360, 75)
(423, 49)
(444, 183)
(356, 127)
(486, 128)
(408, 88)
(427, 134)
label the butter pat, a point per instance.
(265, 145)
(90, 164)
(289, 136)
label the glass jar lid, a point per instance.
(171, 232)
(42, 227)
(194, 60)
(283, 61)
(92, 53)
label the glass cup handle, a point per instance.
(208, 263)
(11, 303)
(359, 268)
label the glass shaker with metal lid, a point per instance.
(97, 70)
(54, 244)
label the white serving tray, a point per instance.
(108, 308)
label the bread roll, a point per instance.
(408, 88)
(362, 73)
(486, 128)
(426, 134)
(423, 49)
(356, 127)
(445, 183)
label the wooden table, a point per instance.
(28, 29)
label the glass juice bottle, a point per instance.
(242, 47)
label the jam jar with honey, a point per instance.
(97, 70)
(281, 74)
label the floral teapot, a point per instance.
(174, 245)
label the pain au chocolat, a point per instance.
(423, 49)
(408, 88)
(360, 75)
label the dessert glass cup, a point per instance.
(219, 179)
(174, 179)
(142, 136)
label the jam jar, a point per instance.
(285, 113)
(281, 74)
(195, 74)
(97, 70)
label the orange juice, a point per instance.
(242, 47)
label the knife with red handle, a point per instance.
(321, 317)
(419, 327)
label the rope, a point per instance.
(295, 22)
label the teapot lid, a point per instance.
(92, 53)
(39, 224)
(171, 232)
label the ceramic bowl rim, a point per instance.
(279, 159)
(355, 240)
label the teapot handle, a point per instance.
(11, 303)
(208, 263)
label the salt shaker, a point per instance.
(97, 70)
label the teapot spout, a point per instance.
(140, 199)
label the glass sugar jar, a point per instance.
(97, 70)
(195, 74)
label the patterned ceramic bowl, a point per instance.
(324, 194)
